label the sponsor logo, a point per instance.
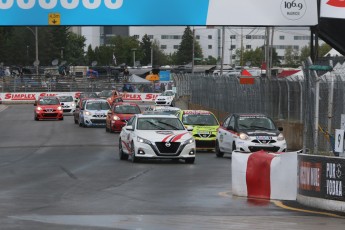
(167, 144)
(66, 4)
(293, 9)
(48, 94)
(20, 96)
(334, 183)
(310, 176)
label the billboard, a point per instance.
(158, 12)
(332, 9)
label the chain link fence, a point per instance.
(292, 100)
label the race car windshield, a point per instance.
(49, 101)
(199, 119)
(96, 105)
(159, 124)
(168, 93)
(256, 123)
(126, 109)
(66, 98)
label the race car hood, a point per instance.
(124, 116)
(168, 98)
(271, 133)
(48, 106)
(165, 135)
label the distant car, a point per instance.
(166, 98)
(93, 113)
(162, 109)
(80, 106)
(156, 137)
(68, 104)
(249, 132)
(119, 114)
(88, 95)
(48, 108)
(114, 97)
(205, 125)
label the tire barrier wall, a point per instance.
(321, 182)
(31, 97)
(265, 175)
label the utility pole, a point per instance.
(241, 59)
(151, 56)
(267, 57)
(193, 50)
(223, 42)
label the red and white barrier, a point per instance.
(23, 97)
(265, 175)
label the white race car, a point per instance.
(162, 109)
(68, 104)
(249, 133)
(94, 113)
(156, 136)
(166, 98)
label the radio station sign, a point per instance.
(321, 177)
(158, 12)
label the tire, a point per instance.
(189, 160)
(134, 158)
(61, 119)
(81, 124)
(122, 155)
(218, 152)
(75, 121)
(36, 118)
(106, 128)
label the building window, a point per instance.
(136, 36)
(232, 36)
(232, 47)
(209, 36)
(150, 36)
(209, 47)
(163, 47)
(176, 47)
(301, 37)
(248, 37)
(248, 47)
(197, 37)
(281, 37)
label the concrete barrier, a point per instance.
(265, 175)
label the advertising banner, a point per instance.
(321, 177)
(332, 9)
(158, 12)
(31, 97)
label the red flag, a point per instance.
(246, 73)
(264, 65)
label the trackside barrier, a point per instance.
(265, 175)
(31, 97)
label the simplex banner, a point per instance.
(332, 9)
(158, 12)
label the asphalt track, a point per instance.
(57, 175)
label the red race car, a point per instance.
(119, 114)
(48, 107)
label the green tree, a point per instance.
(145, 47)
(291, 57)
(74, 50)
(324, 49)
(184, 54)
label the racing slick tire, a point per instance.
(75, 121)
(122, 155)
(189, 160)
(134, 158)
(106, 128)
(36, 118)
(218, 152)
(61, 119)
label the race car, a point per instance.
(249, 132)
(205, 125)
(166, 98)
(156, 137)
(94, 113)
(161, 109)
(48, 107)
(119, 114)
(68, 104)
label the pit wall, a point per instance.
(321, 182)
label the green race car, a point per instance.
(205, 125)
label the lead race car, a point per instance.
(153, 136)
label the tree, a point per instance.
(184, 54)
(74, 50)
(291, 57)
(146, 47)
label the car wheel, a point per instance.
(134, 158)
(218, 152)
(190, 160)
(122, 155)
(61, 119)
(81, 124)
(36, 118)
(75, 121)
(106, 128)
(233, 146)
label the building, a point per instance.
(210, 39)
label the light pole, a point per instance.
(37, 62)
(62, 49)
(134, 49)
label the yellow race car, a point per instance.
(205, 125)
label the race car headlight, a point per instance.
(59, 108)
(189, 141)
(72, 105)
(39, 108)
(143, 140)
(280, 137)
(116, 118)
(87, 113)
(244, 136)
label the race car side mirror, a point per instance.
(35, 103)
(129, 127)
(280, 129)
(230, 128)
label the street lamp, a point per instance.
(37, 62)
(134, 49)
